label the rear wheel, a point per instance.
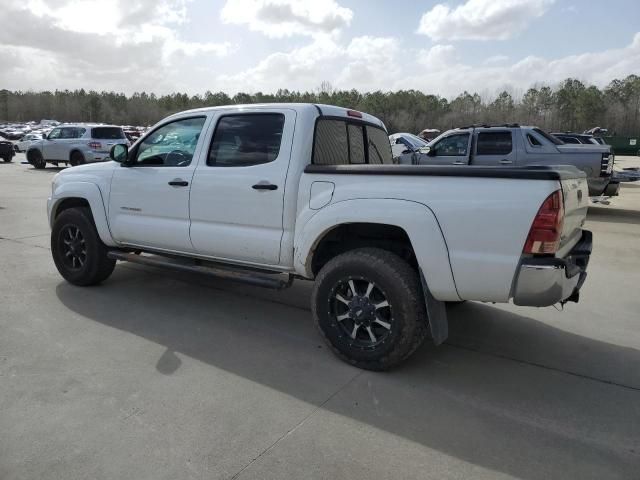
(79, 254)
(76, 159)
(34, 157)
(368, 305)
(7, 158)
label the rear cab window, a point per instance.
(340, 141)
(107, 133)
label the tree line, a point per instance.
(570, 106)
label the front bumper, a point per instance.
(546, 281)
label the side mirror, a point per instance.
(119, 153)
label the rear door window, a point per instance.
(494, 143)
(107, 133)
(246, 139)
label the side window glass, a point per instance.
(494, 143)
(245, 140)
(453, 145)
(171, 145)
(533, 141)
(379, 146)
(66, 133)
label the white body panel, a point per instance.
(232, 220)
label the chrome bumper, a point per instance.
(546, 281)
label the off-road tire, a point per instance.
(7, 159)
(34, 157)
(399, 283)
(76, 158)
(96, 267)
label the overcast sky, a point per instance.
(193, 46)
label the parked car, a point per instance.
(255, 193)
(23, 144)
(577, 138)
(6, 150)
(75, 144)
(405, 147)
(514, 145)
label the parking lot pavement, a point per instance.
(154, 375)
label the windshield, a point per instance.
(415, 141)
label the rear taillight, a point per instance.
(606, 164)
(544, 235)
(95, 145)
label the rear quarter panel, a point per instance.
(482, 222)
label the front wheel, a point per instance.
(34, 157)
(79, 254)
(368, 305)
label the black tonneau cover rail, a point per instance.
(562, 172)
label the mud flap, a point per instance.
(436, 313)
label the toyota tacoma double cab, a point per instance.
(265, 194)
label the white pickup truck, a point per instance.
(264, 194)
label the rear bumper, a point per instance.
(546, 281)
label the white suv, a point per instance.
(75, 144)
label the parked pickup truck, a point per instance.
(263, 194)
(514, 145)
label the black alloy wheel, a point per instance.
(73, 247)
(361, 309)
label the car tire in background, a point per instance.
(368, 305)
(76, 158)
(34, 157)
(79, 254)
(7, 159)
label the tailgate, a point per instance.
(575, 192)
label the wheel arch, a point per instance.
(410, 225)
(82, 194)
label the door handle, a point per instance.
(264, 186)
(178, 182)
(459, 162)
(506, 162)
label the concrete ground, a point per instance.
(154, 375)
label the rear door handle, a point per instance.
(459, 162)
(178, 182)
(264, 186)
(506, 162)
